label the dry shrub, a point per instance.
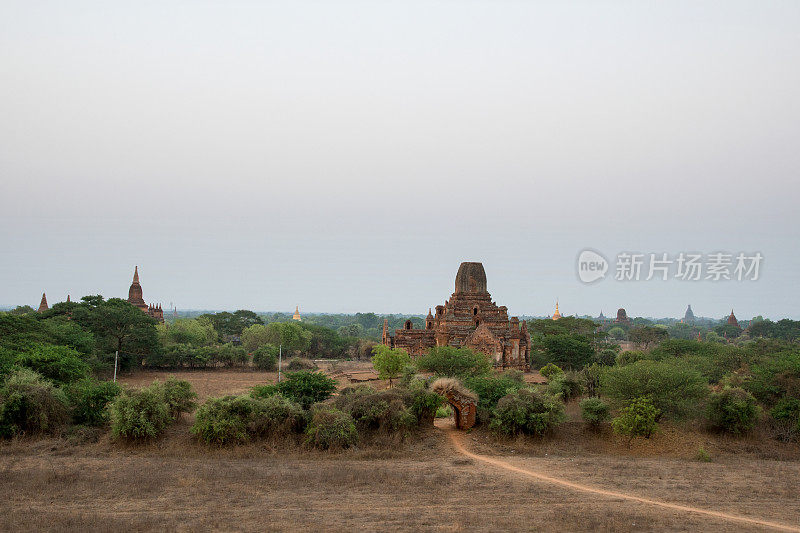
(453, 388)
(386, 410)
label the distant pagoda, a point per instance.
(43, 304)
(622, 317)
(296, 315)
(135, 298)
(557, 314)
(732, 320)
(688, 318)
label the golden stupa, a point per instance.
(296, 315)
(557, 314)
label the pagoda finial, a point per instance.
(136, 274)
(68, 300)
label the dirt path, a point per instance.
(456, 438)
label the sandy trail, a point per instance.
(457, 439)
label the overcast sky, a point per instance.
(347, 156)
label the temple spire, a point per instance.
(136, 274)
(43, 304)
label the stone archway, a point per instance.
(463, 401)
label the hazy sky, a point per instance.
(347, 156)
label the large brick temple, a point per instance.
(135, 298)
(468, 319)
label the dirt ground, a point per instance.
(90, 483)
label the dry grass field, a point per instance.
(90, 483)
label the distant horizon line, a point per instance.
(323, 313)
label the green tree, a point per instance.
(294, 338)
(568, 350)
(673, 388)
(122, 326)
(616, 333)
(22, 310)
(390, 363)
(648, 335)
(194, 331)
(454, 362)
(728, 331)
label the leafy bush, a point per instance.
(179, 396)
(89, 400)
(606, 357)
(567, 385)
(57, 363)
(630, 356)
(305, 388)
(594, 411)
(266, 357)
(238, 418)
(140, 414)
(638, 419)
(331, 429)
(674, 389)
(550, 370)
(787, 413)
(733, 410)
(299, 363)
(223, 420)
(491, 388)
(30, 404)
(776, 377)
(230, 355)
(527, 411)
(424, 405)
(454, 362)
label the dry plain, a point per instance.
(88, 482)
